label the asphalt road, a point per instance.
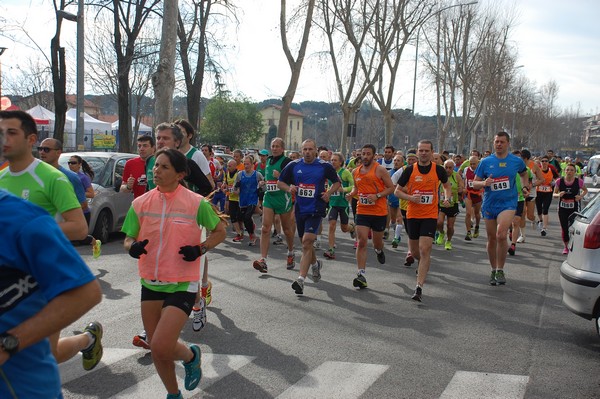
(466, 340)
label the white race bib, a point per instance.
(272, 186)
(500, 184)
(306, 190)
(567, 204)
(364, 200)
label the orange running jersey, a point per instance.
(366, 184)
(427, 186)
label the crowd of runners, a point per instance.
(184, 199)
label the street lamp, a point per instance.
(79, 127)
(2, 50)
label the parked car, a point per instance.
(591, 173)
(580, 272)
(109, 207)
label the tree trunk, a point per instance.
(163, 81)
(59, 84)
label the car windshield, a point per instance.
(97, 165)
(592, 208)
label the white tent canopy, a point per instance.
(90, 124)
(142, 128)
(39, 112)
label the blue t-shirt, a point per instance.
(310, 179)
(76, 182)
(248, 185)
(391, 198)
(504, 173)
(30, 277)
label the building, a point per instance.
(270, 117)
(591, 132)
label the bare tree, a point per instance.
(294, 63)
(163, 81)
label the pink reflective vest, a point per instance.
(168, 221)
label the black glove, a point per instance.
(138, 248)
(192, 252)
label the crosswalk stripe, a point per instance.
(335, 380)
(473, 385)
(73, 369)
(214, 367)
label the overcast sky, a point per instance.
(556, 40)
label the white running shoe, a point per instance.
(199, 314)
(521, 239)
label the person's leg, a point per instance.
(287, 224)
(450, 224)
(424, 244)
(308, 253)
(468, 214)
(362, 234)
(265, 234)
(545, 209)
(66, 348)
(503, 221)
(491, 228)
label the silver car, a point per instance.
(108, 207)
(580, 272)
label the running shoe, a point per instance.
(91, 355)
(512, 249)
(352, 230)
(206, 293)
(493, 278)
(291, 261)
(440, 238)
(274, 234)
(395, 242)
(141, 341)
(476, 232)
(175, 395)
(199, 315)
(316, 271)
(97, 249)
(238, 238)
(386, 235)
(355, 244)
(278, 240)
(565, 251)
(500, 279)
(409, 260)
(360, 281)
(193, 369)
(543, 232)
(468, 236)
(448, 245)
(252, 241)
(317, 244)
(540, 225)
(416, 296)
(329, 254)
(260, 265)
(380, 256)
(521, 239)
(298, 287)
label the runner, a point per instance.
(191, 152)
(473, 199)
(372, 184)
(570, 190)
(394, 218)
(276, 202)
(338, 204)
(388, 158)
(306, 178)
(324, 156)
(450, 212)
(156, 227)
(135, 178)
(232, 205)
(419, 185)
(529, 210)
(411, 158)
(247, 184)
(47, 187)
(497, 174)
(515, 230)
(544, 195)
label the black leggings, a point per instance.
(542, 203)
(563, 216)
(246, 213)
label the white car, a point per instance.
(580, 272)
(591, 173)
(109, 206)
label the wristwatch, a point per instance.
(203, 249)
(9, 343)
(378, 195)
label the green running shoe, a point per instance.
(91, 356)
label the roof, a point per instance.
(292, 111)
(72, 99)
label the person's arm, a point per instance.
(59, 313)
(384, 175)
(583, 191)
(524, 176)
(74, 225)
(198, 178)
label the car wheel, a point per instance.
(103, 225)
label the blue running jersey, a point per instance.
(503, 192)
(310, 179)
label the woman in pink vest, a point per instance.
(164, 228)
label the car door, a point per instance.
(121, 201)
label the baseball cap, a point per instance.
(263, 152)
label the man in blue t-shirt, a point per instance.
(497, 174)
(306, 178)
(50, 296)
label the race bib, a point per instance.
(500, 184)
(230, 189)
(545, 189)
(335, 194)
(567, 204)
(364, 200)
(426, 197)
(272, 186)
(470, 183)
(306, 190)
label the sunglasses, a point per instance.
(73, 162)
(46, 149)
(544, 160)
